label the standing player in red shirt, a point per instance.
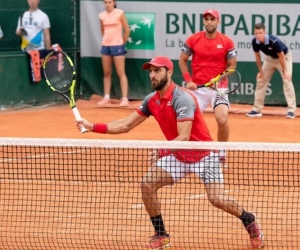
(178, 115)
(212, 52)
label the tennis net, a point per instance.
(85, 194)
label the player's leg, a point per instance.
(218, 198)
(119, 61)
(107, 72)
(209, 170)
(288, 87)
(167, 170)
(221, 108)
(221, 116)
(268, 70)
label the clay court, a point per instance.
(58, 122)
(69, 219)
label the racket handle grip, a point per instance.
(78, 117)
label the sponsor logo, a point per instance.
(142, 31)
(233, 52)
(181, 111)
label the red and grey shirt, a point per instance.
(177, 105)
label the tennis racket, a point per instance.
(60, 75)
(225, 83)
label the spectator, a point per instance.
(277, 57)
(112, 23)
(34, 28)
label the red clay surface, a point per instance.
(61, 232)
(57, 121)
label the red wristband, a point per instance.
(100, 128)
(163, 152)
(187, 77)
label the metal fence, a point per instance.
(64, 20)
(17, 88)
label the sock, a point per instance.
(107, 96)
(246, 218)
(158, 225)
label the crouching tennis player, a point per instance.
(179, 117)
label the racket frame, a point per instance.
(214, 83)
(70, 99)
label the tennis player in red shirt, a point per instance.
(178, 115)
(212, 52)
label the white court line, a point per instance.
(138, 206)
(188, 198)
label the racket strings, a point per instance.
(228, 84)
(59, 72)
(234, 81)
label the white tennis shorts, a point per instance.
(208, 169)
(206, 96)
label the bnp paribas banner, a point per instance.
(161, 28)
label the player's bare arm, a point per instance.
(183, 65)
(231, 64)
(184, 131)
(286, 75)
(114, 127)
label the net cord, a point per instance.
(255, 146)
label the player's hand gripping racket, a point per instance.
(60, 75)
(226, 83)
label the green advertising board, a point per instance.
(161, 28)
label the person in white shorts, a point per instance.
(179, 117)
(34, 28)
(212, 53)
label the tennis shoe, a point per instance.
(104, 102)
(124, 102)
(253, 113)
(158, 242)
(290, 115)
(255, 233)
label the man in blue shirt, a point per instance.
(277, 57)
